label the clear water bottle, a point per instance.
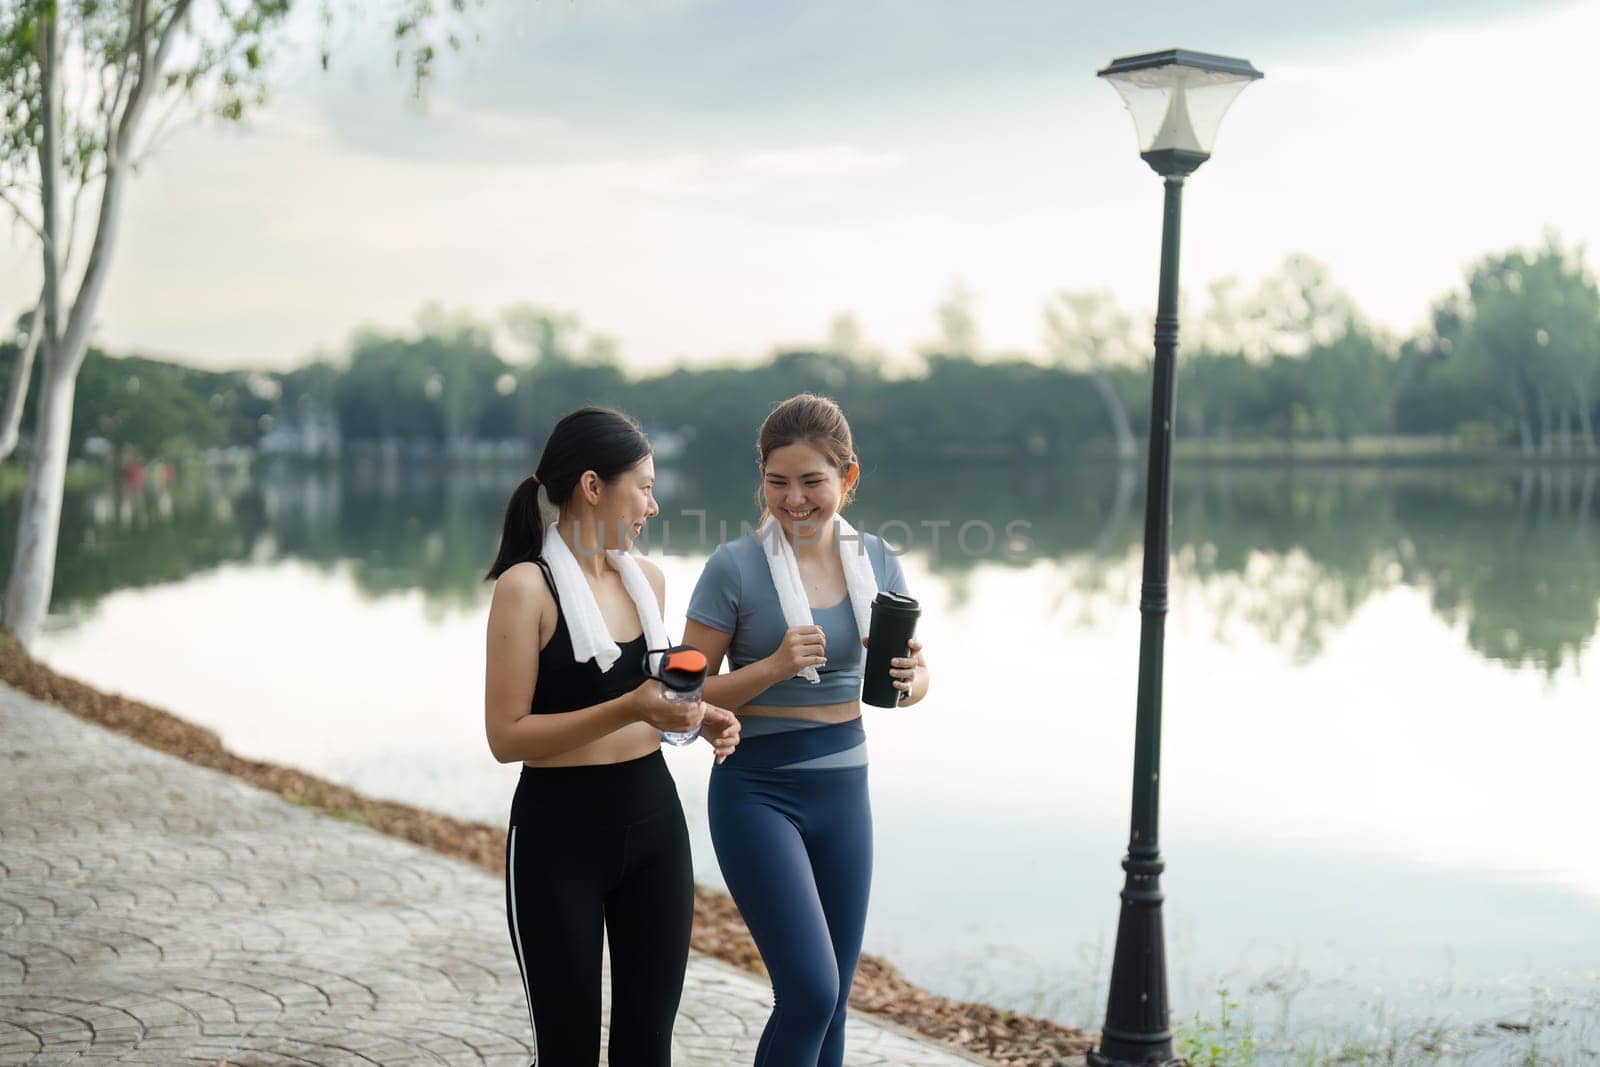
(682, 673)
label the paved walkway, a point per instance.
(156, 912)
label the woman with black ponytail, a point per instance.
(597, 847)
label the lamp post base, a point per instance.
(1136, 1031)
(1096, 1059)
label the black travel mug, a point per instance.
(894, 620)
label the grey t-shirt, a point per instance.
(735, 595)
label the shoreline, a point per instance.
(1007, 1038)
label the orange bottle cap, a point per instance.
(688, 659)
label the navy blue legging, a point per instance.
(795, 848)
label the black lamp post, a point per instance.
(1177, 99)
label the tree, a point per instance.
(79, 80)
(1349, 385)
(1450, 386)
(846, 338)
(144, 408)
(21, 376)
(1519, 347)
(958, 322)
(1087, 332)
(547, 338)
(1537, 316)
(1297, 309)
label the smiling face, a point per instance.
(625, 503)
(804, 489)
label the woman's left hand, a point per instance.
(904, 669)
(720, 727)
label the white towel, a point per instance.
(859, 580)
(590, 638)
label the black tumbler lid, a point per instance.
(896, 603)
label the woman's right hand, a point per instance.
(650, 704)
(803, 646)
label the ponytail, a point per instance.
(522, 536)
(590, 439)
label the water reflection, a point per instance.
(1332, 746)
(1507, 556)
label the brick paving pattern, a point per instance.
(156, 912)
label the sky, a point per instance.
(706, 180)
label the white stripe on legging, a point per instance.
(516, 938)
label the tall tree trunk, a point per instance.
(21, 375)
(50, 181)
(1585, 502)
(1585, 426)
(1525, 432)
(33, 564)
(1127, 448)
(33, 567)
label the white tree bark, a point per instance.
(33, 567)
(21, 376)
(1127, 447)
(1585, 424)
(1086, 330)
(34, 563)
(1585, 504)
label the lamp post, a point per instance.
(1177, 99)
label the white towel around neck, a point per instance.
(590, 638)
(859, 580)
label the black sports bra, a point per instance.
(567, 685)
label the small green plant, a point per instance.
(1223, 1042)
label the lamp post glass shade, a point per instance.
(1177, 97)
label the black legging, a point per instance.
(591, 850)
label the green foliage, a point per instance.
(1348, 382)
(128, 59)
(20, 100)
(1520, 347)
(1222, 1042)
(145, 408)
(457, 382)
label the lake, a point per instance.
(1382, 716)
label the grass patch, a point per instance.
(1226, 1041)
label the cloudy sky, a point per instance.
(706, 179)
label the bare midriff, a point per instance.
(844, 712)
(633, 741)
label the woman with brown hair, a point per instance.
(787, 606)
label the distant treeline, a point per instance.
(1507, 556)
(1512, 359)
